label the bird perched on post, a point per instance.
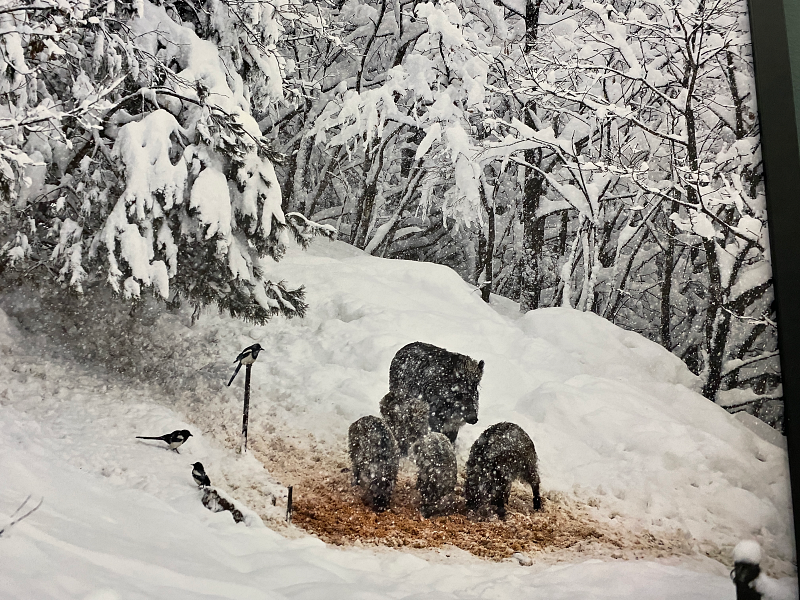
(199, 475)
(174, 439)
(246, 357)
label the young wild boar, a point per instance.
(502, 453)
(447, 381)
(436, 474)
(407, 417)
(374, 457)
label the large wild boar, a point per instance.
(447, 381)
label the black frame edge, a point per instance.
(779, 142)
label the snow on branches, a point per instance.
(153, 172)
(597, 156)
(436, 87)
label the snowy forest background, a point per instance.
(603, 157)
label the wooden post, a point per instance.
(289, 505)
(246, 411)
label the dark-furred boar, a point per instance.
(436, 473)
(407, 417)
(375, 458)
(447, 381)
(501, 454)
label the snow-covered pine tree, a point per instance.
(129, 155)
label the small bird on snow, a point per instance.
(199, 475)
(246, 357)
(174, 439)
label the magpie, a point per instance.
(199, 475)
(246, 357)
(174, 439)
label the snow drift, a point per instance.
(615, 419)
(613, 415)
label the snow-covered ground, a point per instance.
(614, 417)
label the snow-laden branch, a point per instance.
(699, 207)
(734, 365)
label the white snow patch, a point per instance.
(776, 589)
(747, 551)
(210, 196)
(144, 147)
(761, 429)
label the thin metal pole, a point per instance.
(289, 506)
(246, 411)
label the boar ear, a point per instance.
(480, 366)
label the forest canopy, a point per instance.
(604, 157)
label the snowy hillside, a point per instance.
(619, 431)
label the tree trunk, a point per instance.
(563, 296)
(715, 354)
(718, 331)
(738, 104)
(666, 284)
(298, 196)
(716, 325)
(322, 182)
(365, 202)
(533, 232)
(617, 296)
(383, 238)
(358, 237)
(561, 248)
(488, 259)
(533, 228)
(747, 346)
(362, 213)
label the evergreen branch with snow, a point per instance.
(169, 185)
(304, 229)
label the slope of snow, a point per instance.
(96, 538)
(614, 418)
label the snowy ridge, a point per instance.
(612, 415)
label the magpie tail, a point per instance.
(239, 366)
(141, 437)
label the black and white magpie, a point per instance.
(199, 475)
(246, 357)
(174, 439)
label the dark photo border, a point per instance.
(779, 142)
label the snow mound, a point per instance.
(615, 418)
(121, 518)
(761, 429)
(598, 347)
(96, 539)
(776, 589)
